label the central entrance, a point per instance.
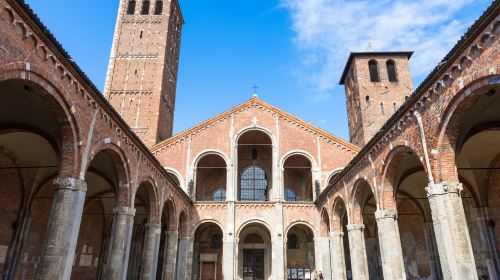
(253, 264)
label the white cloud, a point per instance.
(327, 30)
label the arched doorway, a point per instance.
(406, 178)
(364, 207)
(254, 252)
(33, 152)
(341, 258)
(475, 131)
(207, 252)
(182, 247)
(255, 163)
(144, 203)
(297, 177)
(105, 174)
(300, 257)
(166, 256)
(211, 178)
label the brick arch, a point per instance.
(303, 223)
(122, 166)
(339, 210)
(262, 129)
(302, 153)
(208, 152)
(204, 222)
(388, 171)
(252, 221)
(58, 105)
(331, 174)
(169, 206)
(359, 189)
(324, 228)
(182, 225)
(153, 206)
(443, 163)
(174, 172)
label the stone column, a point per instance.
(391, 252)
(150, 251)
(430, 240)
(278, 260)
(278, 245)
(337, 255)
(62, 230)
(182, 253)
(487, 242)
(171, 262)
(357, 249)
(323, 252)
(121, 236)
(450, 228)
(189, 258)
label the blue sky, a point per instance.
(294, 50)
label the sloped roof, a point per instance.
(250, 102)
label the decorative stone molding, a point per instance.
(153, 226)
(124, 211)
(386, 214)
(70, 183)
(352, 227)
(443, 188)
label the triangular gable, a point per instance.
(251, 102)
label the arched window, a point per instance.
(373, 67)
(293, 241)
(219, 194)
(145, 8)
(290, 195)
(253, 184)
(158, 7)
(382, 107)
(391, 71)
(368, 99)
(131, 8)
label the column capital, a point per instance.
(353, 227)
(129, 211)
(153, 225)
(70, 183)
(444, 187)
(336, 234)
(386, 214)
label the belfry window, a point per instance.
(374, 75)
(253, 184)
(145, 8)
(158, 7)
(131, 8)
(391, 71)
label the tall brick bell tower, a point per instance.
(142, 72)
(376, 85)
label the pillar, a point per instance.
(150, 251)
(278, 245)
(171, 262)
(357, 249)
(121, 237)
(488, 248)
(430, 240)
(391, 252)
(182, 253)
(323, 252)
(62, 230)
(337, 255)
(450, 229)
(228, 258)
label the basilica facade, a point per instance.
(95, 186)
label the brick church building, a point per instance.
(95, 186)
